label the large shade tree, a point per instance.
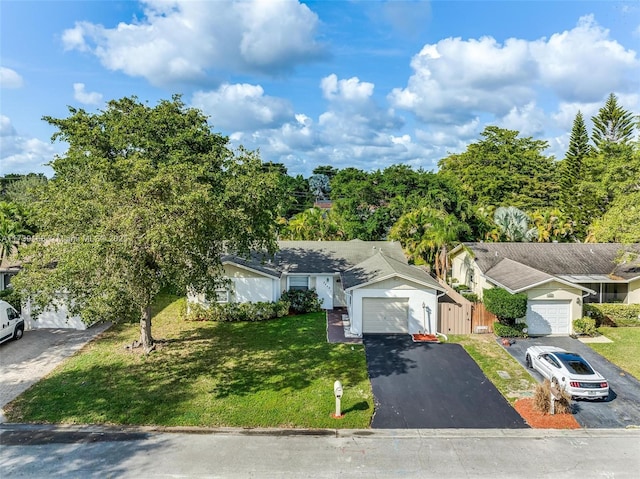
(503, 169)
(144, 198)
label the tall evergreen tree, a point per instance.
(612, 125)
(571, 166)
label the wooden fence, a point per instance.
(457, 315)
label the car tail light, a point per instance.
(574, 384)
(603, 384)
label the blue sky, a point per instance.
(365, 84)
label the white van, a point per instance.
(11, 321)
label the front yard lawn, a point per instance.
(491, 358)
(276, 373)
(624, 351)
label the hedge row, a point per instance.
(232, 312)
(609, 314)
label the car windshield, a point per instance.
(575, 364)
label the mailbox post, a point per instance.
(337, 392)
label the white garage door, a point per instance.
(548, 317)
(385, 315)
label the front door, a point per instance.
(324, 288)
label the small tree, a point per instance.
(506, 306)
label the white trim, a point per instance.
(397, 275)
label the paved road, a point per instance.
(422, 385)
(26, 361)
(622, 408)
(38, 452)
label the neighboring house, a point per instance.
(7, 270)
(52, 317)
(372, 279)
(558, 278)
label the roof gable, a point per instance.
(380, 267)
(558, 259)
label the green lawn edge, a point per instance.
(276, 373)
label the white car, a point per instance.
(568, 371)
(12, 323)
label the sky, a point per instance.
(364, 84)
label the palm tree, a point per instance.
(513, 224)
(11, 236)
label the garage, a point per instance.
(548, 317)
(385, 315)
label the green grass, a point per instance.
(277, 373)
(624, 351)
(491, 358)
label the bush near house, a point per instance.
(302, 301)
(234, 312)
(586, 326)
(506, 306)
(610, 314)
(509, 331)
(11, 296)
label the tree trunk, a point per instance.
(145, 329)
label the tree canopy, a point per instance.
(144, 198)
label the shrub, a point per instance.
(542, 399)
(11, 296)
(302, 301)
(506, 306)
(509, 331)
(473, 297)
(586, 326)
(235, 312)
(610, 314)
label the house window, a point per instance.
(222, 296)
(299, 282)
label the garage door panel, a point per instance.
(548, 317)
(385, 315)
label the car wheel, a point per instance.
(17, 334)
(528, 361)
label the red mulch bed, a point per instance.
(431, 338)
(539, 420)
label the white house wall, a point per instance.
(418, 316)
(466, 271)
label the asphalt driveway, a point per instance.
(622, 407)
(423, 385)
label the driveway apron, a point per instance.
(621, 408)
(426, 385)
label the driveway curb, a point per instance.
(283, 432)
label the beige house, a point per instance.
(558, 278)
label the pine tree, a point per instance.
(572, 165)
(612, 124)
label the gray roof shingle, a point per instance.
(560, 259)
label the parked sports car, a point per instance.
(568, 371)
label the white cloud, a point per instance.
(529, 120)
(185, 40)
(456, 80)
(581, 64)
(10, 78)
(351, 90)
(83, 96)
(242, 107)
(19, 154)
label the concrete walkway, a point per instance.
(24, 362)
